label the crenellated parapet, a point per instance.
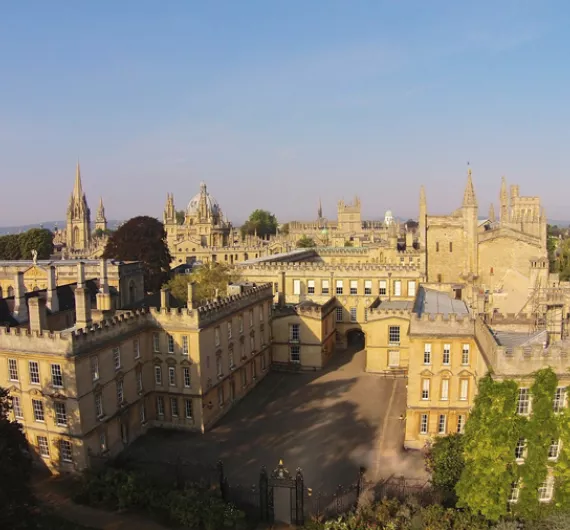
(338, 269)
(524, 360)
(45, 342)
(377, 313)
(448, 324)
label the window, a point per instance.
(353, 314)
(294, 332)
(393, 358)
(450, 246)
(394, 335)
(446, 354)
(412, 288)
(171, 343)
(240, 322)
(367, 286)
(437, 246)
(353, 286)
(339, 314)
(171, 376)
(296, 286)
(139, 381)
(560, 399)
(94, 368)
(423, 424)
(34, 373)
(383, 287)
(43, 446)
(295, 354)
(219, 370)
(17, 407)
(251, 318)
(546, 490)
(156, 342)
(244, 378)
(120, 392)
(185, 350)
(425, 388)
(252, 343)
(554, 450)
(263, 362)
(444, 389)
(60, 413)
(13, 369)
(442, 424)
(102, 442)
(261, 313)
(427, 353)
(231, 363)
(117, 358)
(158, 375)
(160, 405)
(463, 389)
(397, 288)
(311, 286)
(254, 370)
(38, 408)
(514, 495)
(465, 355)
(65, 451)
(56, 376)
(136, 348)
(187, 380)
(174, 407)
(142, 413)
(325, 287)
(188, 408)
(99, 405)
(520, 449)
(460, 423)
(229, 330)
(221, 396)
(339, 287)
(523, 403)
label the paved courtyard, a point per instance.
(328, 423)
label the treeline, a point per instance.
(20, 246)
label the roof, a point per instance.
(512, 339)
(431, 301)
(396, 304)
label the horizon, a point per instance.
(278, 105)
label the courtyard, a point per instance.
(328, 423)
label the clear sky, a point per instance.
(274, 103)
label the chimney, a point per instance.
(164, 299)
(190, 304)
(409, 239)
(104, 295)
(38, 314)
(20, 308)
(82, 301)
(52, 299)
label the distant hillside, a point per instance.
(50, 225)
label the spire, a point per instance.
(320, 210)
(492, 213)
(78, 188)
(469, 195)
(423, 202)
(101, 210)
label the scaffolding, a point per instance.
(546, 305)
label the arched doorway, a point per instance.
(355, 339)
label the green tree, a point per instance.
(10, 247)
(284, 229)
(16, 498)
(262, 222)
(445, 462)
(142, 239)
(39, 239)
(306, 242)
(208, 279)
(180, 216)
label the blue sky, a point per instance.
(275, 103)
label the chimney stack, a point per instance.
(82, 301)
(52, 299)
(38, 314)
(164, 299)
(190, 304)
(104, 302)
(20, 308)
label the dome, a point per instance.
(388, 213)
(211, 203)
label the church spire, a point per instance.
(320, 210)
(78, 188)
(492, 213)
(469, 198)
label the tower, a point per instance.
(504, 200)
(101, 220)
(422, 219)
(78, 230)
(469, 210)
(320, 211)
(492, 213)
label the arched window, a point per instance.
(75, 236)
(10, 291)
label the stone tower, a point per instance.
(504, 200)
(469, 209)
(101, 220)
(422, 219)
(78, 229)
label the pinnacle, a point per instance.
(469, 198)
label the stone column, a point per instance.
(20, 307)
(38, 314)
(52, 299)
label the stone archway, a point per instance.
(355, 339)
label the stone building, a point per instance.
(92, 388)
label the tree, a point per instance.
(411, 224)
(102, 233)
(180, 216)
(10, 248)
(16, 496)
(306, 242)
(445, 462)
(261, 222)
(208, 279)
(142, 239)
(39, 239)
(284, 229)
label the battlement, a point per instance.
(15, 339)
(339, 269)
(444, 324)
(519, 318)
(524, 360)
(377, 313)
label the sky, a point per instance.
(275, 104)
